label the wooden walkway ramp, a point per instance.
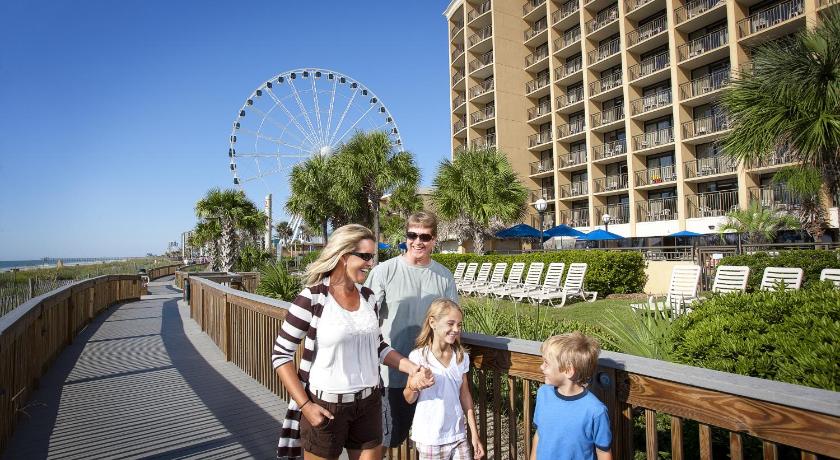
(143, 381)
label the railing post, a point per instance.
(226, 331)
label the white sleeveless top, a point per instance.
(346, 358)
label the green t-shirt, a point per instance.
(404, 293)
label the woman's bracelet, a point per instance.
(304, 404)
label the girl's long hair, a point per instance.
(437, 310)
(343, 240)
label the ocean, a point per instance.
(6, 265)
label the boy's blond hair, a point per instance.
(573, 350)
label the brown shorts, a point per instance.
(357, 425)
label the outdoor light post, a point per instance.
(606, 219)
(540, 206)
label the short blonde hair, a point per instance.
(423, 219)
(574, 350)
(343, 240)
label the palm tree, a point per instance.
(207, 235)
(369, 163)
(789, 101)
(758, 223)
(805, 186)
(480, 188)
(234, 212)
(311, 184)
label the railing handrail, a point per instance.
(565, 10)
(649, 65)
(537, 83)
(561, 42)
(712, 81)
(536, 29)
(770, 16)
(606, 18)
(531, 5)
(482, 8)
(604, 51)
(481, 35)
(610, 115)
(605, 83)
(701, 45)
(648, 30)
(694, 8)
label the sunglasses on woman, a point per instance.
(424, 237)
(366, 256)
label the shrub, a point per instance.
(810, 261)
(609, 272)
(278, 283)
(786, 336)
(251, 258)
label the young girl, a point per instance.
(438, 429)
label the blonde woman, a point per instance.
(335, 396)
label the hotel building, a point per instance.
(609, 107)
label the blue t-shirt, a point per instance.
(570, 427)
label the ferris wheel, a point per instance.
(295, 115)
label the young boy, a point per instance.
(572, 424)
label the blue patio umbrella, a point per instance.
(600, 235)
(684, 233)
(519, 231)
(563, 230)
(403, 246)
(384, 245)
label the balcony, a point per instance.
(480, 116)
(478, 11)
(541, 168)
(703, 46)
(539, 139)
(646, 32)
(603, 53)
(712, 204)
(657, 210)
(457, 52)
(651, 104)
(479, 37)
(481, 89)
(603, 120)
(694, 9)
(483, 142)
(630, 6)
(546, 193)
(566, 11)
(767, 19)
(536, 30)
(562, 45)
(574, 128)
(608, 150)
(825, 4)
(647, 68)
(575, 217)
(660, 175)
(570, 99)
(530, 6)
(776, 197)
(605, 84)
(602, 21)
(482, 66)
(458, 104)
(653, 139)
(574, 190)
(705, 88)
(712, 166)
(619, 213)
(569, 71)
(459, 126)
(574, 159)
(537, 84)
(457, 77)
(455, 31)
(538, 111)
(775, 160)
(702, 127)
(610, 184)
(537, 61)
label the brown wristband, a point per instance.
(304, 404)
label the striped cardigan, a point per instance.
(301, 323)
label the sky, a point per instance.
(116, 116)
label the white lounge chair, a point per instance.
(682, 291)
(480, 279)
(791, 277)
(469, 275)
(459, 271)
(731, 278)
(514, 280)
(497, 279)
(532, 280)
(551, 283)
(572, 287)
(831, 274)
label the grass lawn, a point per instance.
(594, 313)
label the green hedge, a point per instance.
(609, 272)
(811, 261)
(787, 336)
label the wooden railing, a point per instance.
(33, 334)
(506, 373)
(160, 272)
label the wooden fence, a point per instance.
(705, 411)
(34, 333)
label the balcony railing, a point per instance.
(565, 10)
(459, 125)
(632, 5)
(776, 197)
(657, 209)
(488, 140)
(660, 98)
(457, 52)
(569, 67)
(702, 45)
(567, 40)
(531, 5)
(574, 189)
(546, 193)
(536, 29)
(575, 217)
(479, 10)
(483, 34)
(658, 175)
(572, 97)
(649, 65)
(653, 139)
(609, 150)
(537, 83)
(608, 116)
(538, 167)
(456, 29)
(533, 58)
(706, 84)
(481, 88)
(647, 31)
(777, 158)
(712, 204)
(771, 16)
(605, 84)
(611, 183)
(458, 101)
(573, 159)
(694, 8)
(703, 126)
(457, 76)
(604, 51)
(602, 20)
(619, 213)
(703, 167)
(485, 114)
(539, 110)
(539, 138)
(483, 61)
(570, 129)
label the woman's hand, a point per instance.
(315, 414)
(421, 379)
(478, 447)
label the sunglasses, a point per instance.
(424, 237)
(366, 256)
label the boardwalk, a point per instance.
(143, 381)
